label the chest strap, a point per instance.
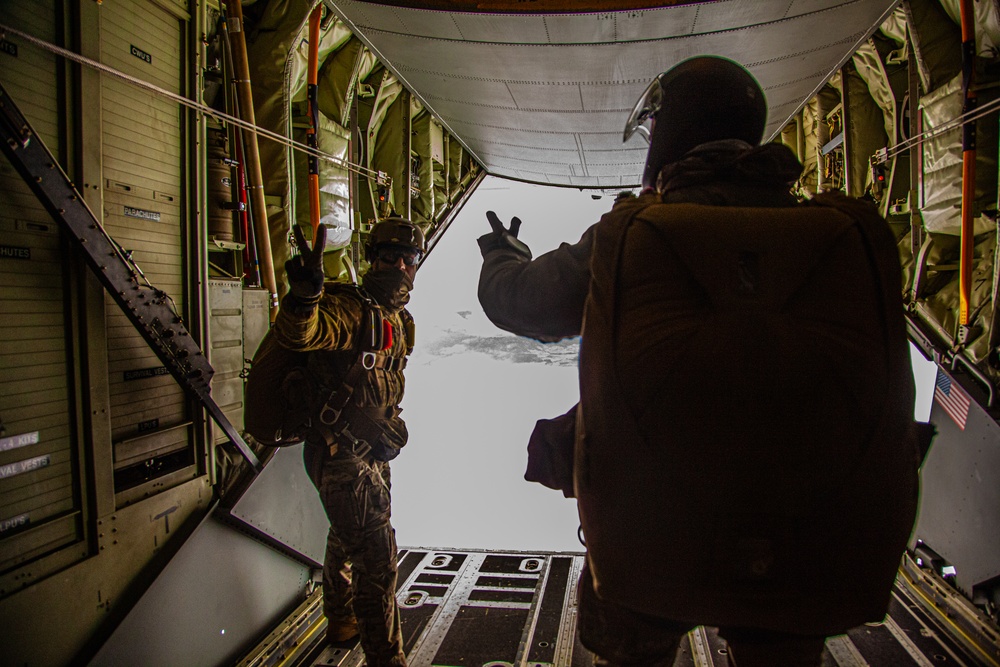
(341, 423)
(371, 361)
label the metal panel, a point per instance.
(445, 621)
(39, 485)
(225, 297)
(959, 514)
(283, 505)
(480, 636)
(544, 79)
(256, 321)
(217, 595)
(476, 608)
(143, 175)
(542, 647)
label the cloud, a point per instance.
(506, 347)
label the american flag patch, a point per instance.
(950, 396)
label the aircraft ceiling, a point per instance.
(543, 96)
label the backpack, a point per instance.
(286, 390)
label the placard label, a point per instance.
(140, 54)
(37, 463)
(15, 441)
(142, 373)
(141, 214)
(14, 252)
(18, 521)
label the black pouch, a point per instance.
(269, 416)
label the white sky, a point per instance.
(474, 392)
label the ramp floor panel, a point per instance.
(488, 609)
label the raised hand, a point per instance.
(497, 225)
(305, 270)
(502, 237)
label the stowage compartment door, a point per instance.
(143, 180)
(40, 486)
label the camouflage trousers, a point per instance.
(359, 571)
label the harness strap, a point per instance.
(356, 429)
(383, 362)
(342, 424)
(360, 428)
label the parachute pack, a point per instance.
(746, 404)
(287, 391)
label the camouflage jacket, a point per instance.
(332, 323)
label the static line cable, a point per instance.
(948, 126)
(956, 122)
(372, 174)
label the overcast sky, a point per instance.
(474, 392)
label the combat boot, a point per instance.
(339, 631)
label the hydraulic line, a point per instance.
(251, 154)
(959, 121)
(252, 266)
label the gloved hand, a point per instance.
(503, 238)
(305, 270)
(550, 453)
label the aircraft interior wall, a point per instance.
(904, 83)
(108, 463)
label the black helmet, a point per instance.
(394, 231)
(701, 99)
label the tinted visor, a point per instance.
(391, 254)
(647, 106)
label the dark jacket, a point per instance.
(730, 467)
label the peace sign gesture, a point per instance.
(305, 270)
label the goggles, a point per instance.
(392, 255)
(649, 103)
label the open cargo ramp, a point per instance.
(507, 609)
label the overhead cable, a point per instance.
(6, 31)
(948, 126)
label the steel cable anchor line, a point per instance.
(962, 120)
(378, 176)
